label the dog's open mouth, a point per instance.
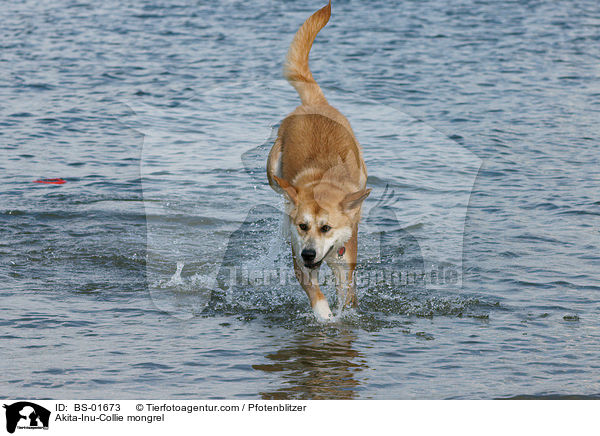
(318, 264)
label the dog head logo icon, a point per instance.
(25, 414)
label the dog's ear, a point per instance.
(288, 189)
(354, 200)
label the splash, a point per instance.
(176, 280)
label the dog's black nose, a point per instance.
(309, 255)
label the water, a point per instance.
(479, 127)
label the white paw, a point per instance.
(322, 311)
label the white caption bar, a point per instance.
(160, 417)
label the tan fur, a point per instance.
(316, 162)
(296, 69)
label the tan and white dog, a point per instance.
(316, 162)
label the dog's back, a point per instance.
(316, 139)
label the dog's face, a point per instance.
(321, 219)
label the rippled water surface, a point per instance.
(159, 269)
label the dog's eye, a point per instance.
(325, 228)
(303, 227)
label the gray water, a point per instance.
(479, 123)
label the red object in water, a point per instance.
(51, 181)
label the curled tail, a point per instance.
(296, 69)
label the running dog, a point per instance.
(317, 164)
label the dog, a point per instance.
(316, 163)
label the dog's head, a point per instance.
(322, 218)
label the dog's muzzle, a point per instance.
(309, 256)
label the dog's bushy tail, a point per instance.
(296, 69)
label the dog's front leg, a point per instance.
(344, 285)
(343, 265)
(309, 280)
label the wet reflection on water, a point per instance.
(316, 365)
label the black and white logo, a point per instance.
(26, 415)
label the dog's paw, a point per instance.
(322, 311)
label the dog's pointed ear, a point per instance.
(354, 200)
(288, 189)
